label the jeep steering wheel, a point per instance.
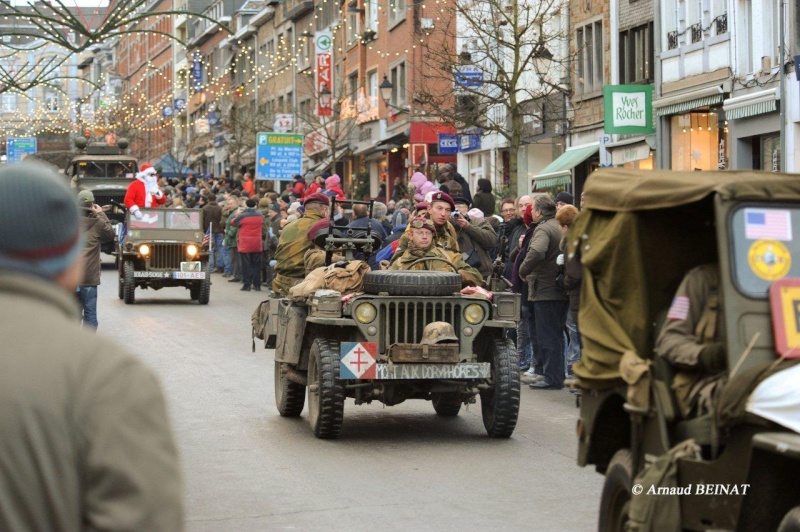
(423, 259)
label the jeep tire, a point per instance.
(129, 283)
(290, 397)
(615, 499)
(325, 391)
(500, 401)
(412, 283)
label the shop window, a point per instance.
(590, 57)
(770, 156)
(699, 141)
(636, 55)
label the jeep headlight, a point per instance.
(474, 314)
(366, 312)
(191, 250)
(144, 250)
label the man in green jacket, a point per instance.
(294, 242)
(85, 441)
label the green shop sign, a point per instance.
(628, 109)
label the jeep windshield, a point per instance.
(105, 169)
(167, 219)
(766, 246)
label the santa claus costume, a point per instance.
(144, 192)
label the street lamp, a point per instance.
(542, 60)
(386, 89)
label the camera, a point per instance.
(456, 214)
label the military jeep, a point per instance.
(736, 468)
(105, 170)
(409, 335)
(165, 248)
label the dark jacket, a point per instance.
(212, 214)
(485, 202)
(573, 276)
(250, 223)
(514, 229)
(464, 185)
(539, 268)
(97, 230)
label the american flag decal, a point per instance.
(768, 224)
(679, 310)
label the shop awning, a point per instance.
(756, 103)
(393, 141)
(559, 172)
(628, 150)
(673, 105)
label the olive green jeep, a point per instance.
(405, 335)
(164, 249)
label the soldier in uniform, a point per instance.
(422, 246)
(294, 242)
(690, 341)
(438, 211)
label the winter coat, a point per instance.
(97, 230)
(475, 242)
(87, 443)
(231, 232)
(514, 229)
(539, 267)
(336, 192)
(485, 202)
(250, 224)
(212, 215)
(136, 195)
(407, 259)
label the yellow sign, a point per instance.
(769, 259)
(790, 303)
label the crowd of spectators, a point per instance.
(528, 233)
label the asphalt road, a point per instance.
(393, 468)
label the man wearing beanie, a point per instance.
(251, 244)
(97, 230)
(85, 441)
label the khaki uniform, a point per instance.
(693, 322)
(406, 260)
(86, 442)
(292, 247)
(445, 239)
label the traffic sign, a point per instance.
(19, 148)
(468, 76)
(179, 104)
(278, 155)
(167, 111)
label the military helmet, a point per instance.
(437, 332)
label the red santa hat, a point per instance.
(146, 170)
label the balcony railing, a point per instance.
(697, 32)
(721, 23)
(672, 40)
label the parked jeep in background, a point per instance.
(407, 335)
(105, 170)
(164, 249)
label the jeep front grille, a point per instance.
(166, 256)
(404, 321)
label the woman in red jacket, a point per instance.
(250, 244)
(332, 188)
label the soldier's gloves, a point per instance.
(713, 357)
(466, 279)
(560, 260)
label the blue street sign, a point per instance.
(469, 142)
(167, 111)
(19, 148)
(448, 143)
(278, 155)
(179, 104)
(468, 76)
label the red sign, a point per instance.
(323, 72)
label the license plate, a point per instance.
(467, 370)
(191, 266)
(189, 275)
(153, 275)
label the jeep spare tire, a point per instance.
(412, 283)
